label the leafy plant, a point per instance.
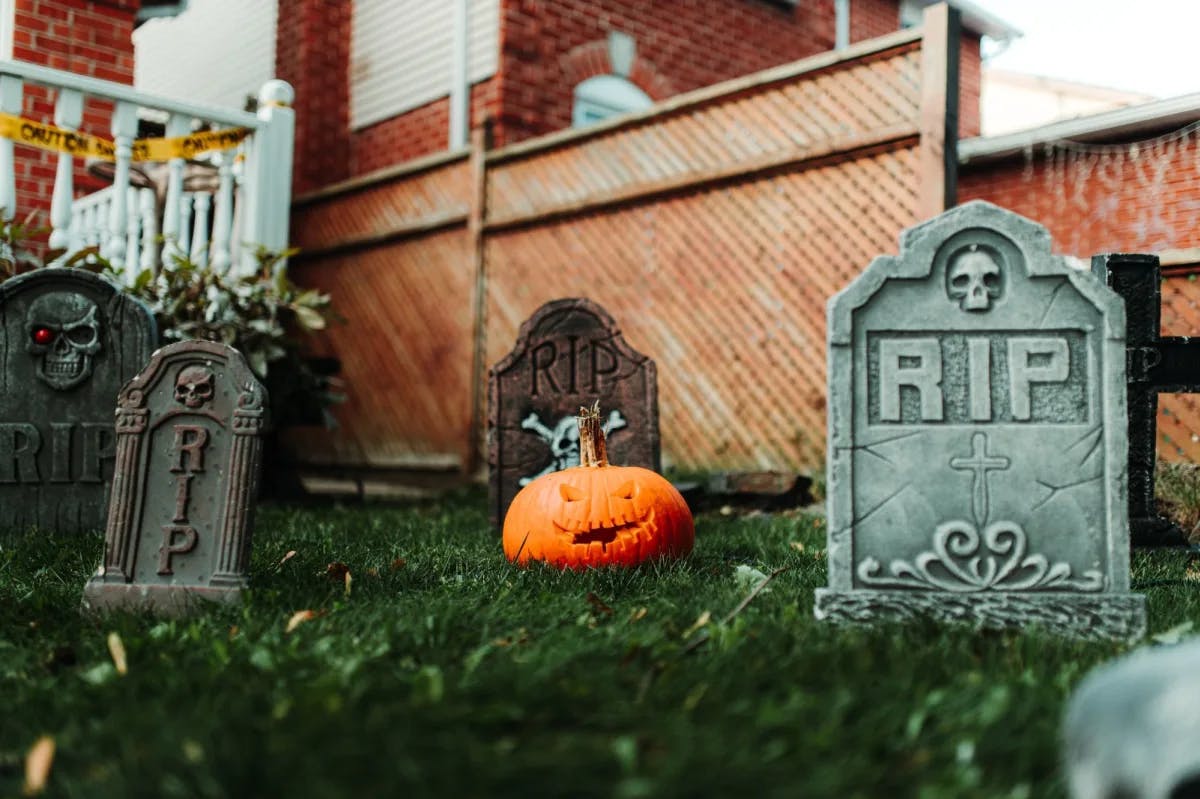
(259, 314)
(263, 314)
(15, 252)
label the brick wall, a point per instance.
(970, 75)
(419, 132)
(87, 37)
(1100, 200)
(871, 18)
(312, 52)
(548, 46)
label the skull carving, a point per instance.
(194, 386)
(63, 334)
(974, 279)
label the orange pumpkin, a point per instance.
(594, 514)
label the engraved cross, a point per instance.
(980, 463)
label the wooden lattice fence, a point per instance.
(713, 228)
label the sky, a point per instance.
(1147, 46)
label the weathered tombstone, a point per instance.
(568, 354)
(976, 453)
(189, 454)
(69, 340)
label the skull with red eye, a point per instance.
(63, 335)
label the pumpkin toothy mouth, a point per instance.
(603, 534)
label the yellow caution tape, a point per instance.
(51, 137)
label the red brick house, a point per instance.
(381, 86)
(367, 97)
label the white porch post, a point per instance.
(269, 174)
(124, 128)
(68, 113)
(12, 90)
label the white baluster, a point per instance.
(11, 93)
(75, 232)
(124, 128)
(90, 229)
(269, 173)
(223, 214)
(149, 217)
(203, 201)
(68, 113)
(133, 235)
(173, 231)
(103, 211)
(236, 239)
(185, 223)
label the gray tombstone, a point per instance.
(570, 353)
(977, 449)
(69, 340)
(189, 457)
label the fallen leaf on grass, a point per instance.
(398, 564)
(117, 650)
(291, 554)
(598, 604)
(748, 577)
(298, 618)
(337, 571)
(1173, 635)
(701, 621)
(637, 615)
(796, 545)
(347, 580)
(37, 765)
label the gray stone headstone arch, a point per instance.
(976, 449)
(69, 340)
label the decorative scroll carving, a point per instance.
(963, 561)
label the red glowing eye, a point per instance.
(43, 335)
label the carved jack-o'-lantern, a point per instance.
(595, 514)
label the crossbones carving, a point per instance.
(563, 440)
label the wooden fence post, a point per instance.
(476, 216)
(937, 167)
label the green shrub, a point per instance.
(263, 315)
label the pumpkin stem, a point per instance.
(592, 450)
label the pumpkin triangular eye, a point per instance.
(627, 490)
(570, 493)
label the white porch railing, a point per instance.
(155, 210)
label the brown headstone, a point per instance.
(189, 455)
(569, 354)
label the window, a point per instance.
(605, 96)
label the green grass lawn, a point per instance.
(447, 672)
